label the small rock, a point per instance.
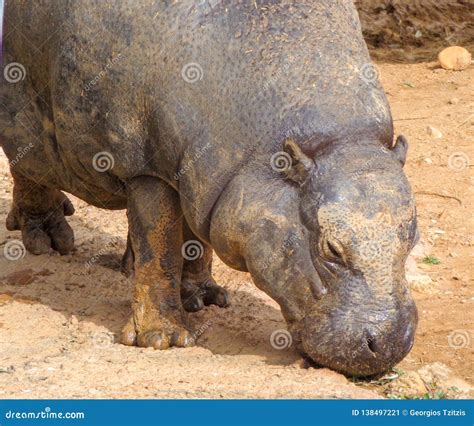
(428, 161)
(434, 132)
(455, 58)
(8, 370)
(454, 101)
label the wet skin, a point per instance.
(193, 103)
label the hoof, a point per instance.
(42, 233)
(195, 296)
(160, 335)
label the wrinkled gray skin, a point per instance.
(326, 238)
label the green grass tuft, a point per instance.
(431, 260)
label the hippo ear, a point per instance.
(301, 165)
(400, 149)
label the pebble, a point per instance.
(434, 132)
(455, 58)
(454, 101)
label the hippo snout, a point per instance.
(356, 346)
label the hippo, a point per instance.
(257, 130)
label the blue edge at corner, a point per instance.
(236, 412)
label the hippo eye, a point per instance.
(332, 251)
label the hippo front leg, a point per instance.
(158, 319)
(198, 287)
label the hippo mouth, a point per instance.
(357, 348)
(365, 361)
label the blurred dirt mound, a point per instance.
(417, 23)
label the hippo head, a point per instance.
(358, 211)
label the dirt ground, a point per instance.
(412, 29)
(60, 315)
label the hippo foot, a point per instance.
(42, 231)
(195, 296)
(159, 333)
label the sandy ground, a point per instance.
(59, 315)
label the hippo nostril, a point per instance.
(371, 342)
(371, 345)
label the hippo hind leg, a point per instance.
(198, 288)
(39, 213)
